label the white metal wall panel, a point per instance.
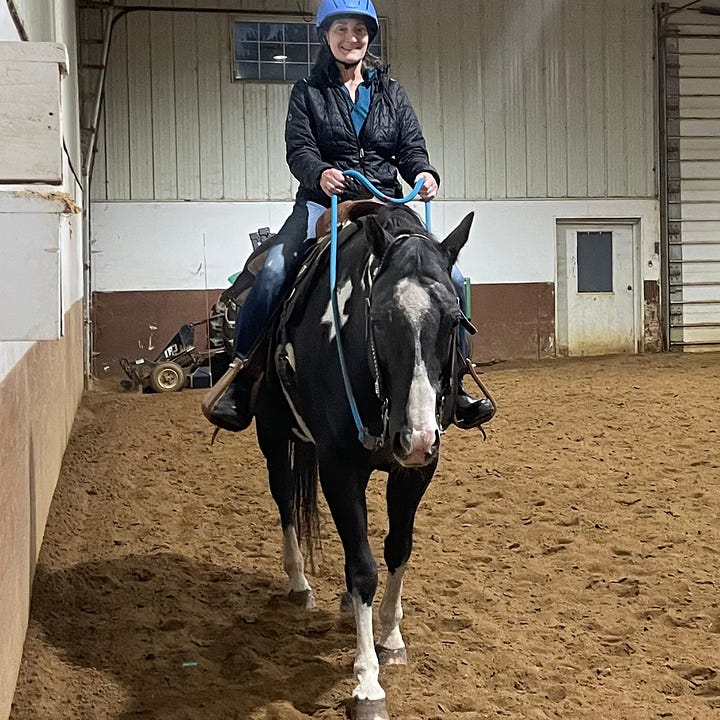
(162, 78)
(38, 18)
(209, 69)
(140, 110)
(117, 122)
(693, 145)
(528, 98)
(187, 108)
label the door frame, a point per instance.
(562, 225)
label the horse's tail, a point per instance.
(304, 470)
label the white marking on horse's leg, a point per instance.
(367, 667)
(293, 561)
(391, 612)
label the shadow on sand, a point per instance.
(193, 640)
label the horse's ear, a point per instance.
(455, 241)
(377, 238)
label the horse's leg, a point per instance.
(404, 490)
(274, 447)
(344, 488)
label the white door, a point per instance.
(596, 293)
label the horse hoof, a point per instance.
(386, 656)
(368, 710)
(302, 598)
(346, 604)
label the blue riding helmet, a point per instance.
(330, 10)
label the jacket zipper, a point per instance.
(351, 127)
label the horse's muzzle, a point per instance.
(415, 448)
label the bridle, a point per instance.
(445, 402)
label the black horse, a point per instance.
(399, 316)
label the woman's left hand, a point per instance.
(430, 187)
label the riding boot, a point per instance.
(471, 412)
(228, 405)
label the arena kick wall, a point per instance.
(527, 133)
(41, 383)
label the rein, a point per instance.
(368, 441)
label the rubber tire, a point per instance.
(167, 377)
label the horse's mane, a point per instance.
(400, 219)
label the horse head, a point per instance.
(414, 316)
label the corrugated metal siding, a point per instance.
(529, 98)
(693, 150)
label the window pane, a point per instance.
(594, 262)
(297, 53)
(246, 32)
(262, 42)
(271, 31)
(246, 71)
(246, 51)
(271, 51)
(295, 72)
(296, 33)
(272, 71)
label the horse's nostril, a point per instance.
(401, 446)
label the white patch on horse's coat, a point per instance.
(366, 667)
(391, 612)
(415, 302)
(302, 431)
(293, 561)
(343, 295)
(290, 352)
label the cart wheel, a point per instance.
(167, 377)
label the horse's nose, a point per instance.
(416, 447)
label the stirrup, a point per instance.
(470, 368)
(486, 398)
(210, 400)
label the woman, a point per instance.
(347, 114)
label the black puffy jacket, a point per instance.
(319, 134)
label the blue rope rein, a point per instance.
(368, 441)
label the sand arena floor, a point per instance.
(566, 568)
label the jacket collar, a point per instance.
(329, 75)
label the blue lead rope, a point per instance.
(368, 441)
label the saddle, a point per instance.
(348, 211)
(281, 350)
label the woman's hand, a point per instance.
(430, 187)
(332, 182)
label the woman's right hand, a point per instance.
(332, 182)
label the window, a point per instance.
(595, 262)
(278, 51)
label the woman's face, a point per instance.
(348, 39)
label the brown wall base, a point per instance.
(139, 324)
(513, 321)
(38, 401)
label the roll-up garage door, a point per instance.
(692, 129)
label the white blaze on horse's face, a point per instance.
(414, 301)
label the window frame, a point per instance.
(283, 20)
